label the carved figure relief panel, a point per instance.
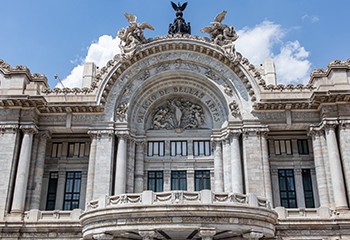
(178, 113)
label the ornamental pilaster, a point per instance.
(39, 168)
(100, 173)
(139, 165)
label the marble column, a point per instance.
(120, 175)
(227, 165)
(218, 169)
(91, 167)
(335, 167)
(236, 163)
(319, 167)
(139, 166)
(19, 195)
(266, 166)
(39, 170)
(344, 144)
(207, 233)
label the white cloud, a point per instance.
(99, 52)
(312, 19)
(266, 41)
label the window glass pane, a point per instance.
(207, 148)
(161, 149)
(52, 191)
(178, 180)
(150, 149)
(82, 150)
(277, 148)
(202, 180)
(195, 148)
(155, 181)
(54, 150)
(71, 150)
(308, 191)
(72, 190)
(201, 148)
(184, 148)
(287, 188)
(289, 147)
(283, 146)
(155, 148)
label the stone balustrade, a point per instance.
(305, 213)
(179, 197)
(36, 215)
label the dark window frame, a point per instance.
(184, 152)
(308, 188)
(160, 153)
(288, 194)
(206, 146)
(52, 191)
(179, 180)
(72, 190)
(155, 181)
(201, 180)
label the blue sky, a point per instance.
(53, 37)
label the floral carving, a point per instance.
(178, 113)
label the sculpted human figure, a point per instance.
(133, 35)
(220, 33)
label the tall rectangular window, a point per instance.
(202, 180)
(303, 146)
(155, 181)
(155, 148)
(178, 180)
(287, 188)
(308, 193)
(72, 191)
(56, 150)
(201, 148)
(178, 148)
(283, 147)
(52, 191)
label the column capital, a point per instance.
(234, 133)
(8, 128)
(330, 124)
(29, 129)
(345, 124)
(125, 134)
(255, 131)
(100, 133)
(44, 134)
(315, 131)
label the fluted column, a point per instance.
(227, 165)
(21, 182)
(335, 167)
(236, 163)
(39, 170)
(120, 175)
(344, 141)
(139, 166)
(218, 169)
(91, 167)
(266, 166)
(320, 167)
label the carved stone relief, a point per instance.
(178, 113)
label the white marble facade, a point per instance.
(181, 138)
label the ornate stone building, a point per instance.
(178, 137)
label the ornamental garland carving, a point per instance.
(121, 111)
(178, 113)
(234, 108)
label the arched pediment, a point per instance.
(202, 65)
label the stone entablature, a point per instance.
(226, 213)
